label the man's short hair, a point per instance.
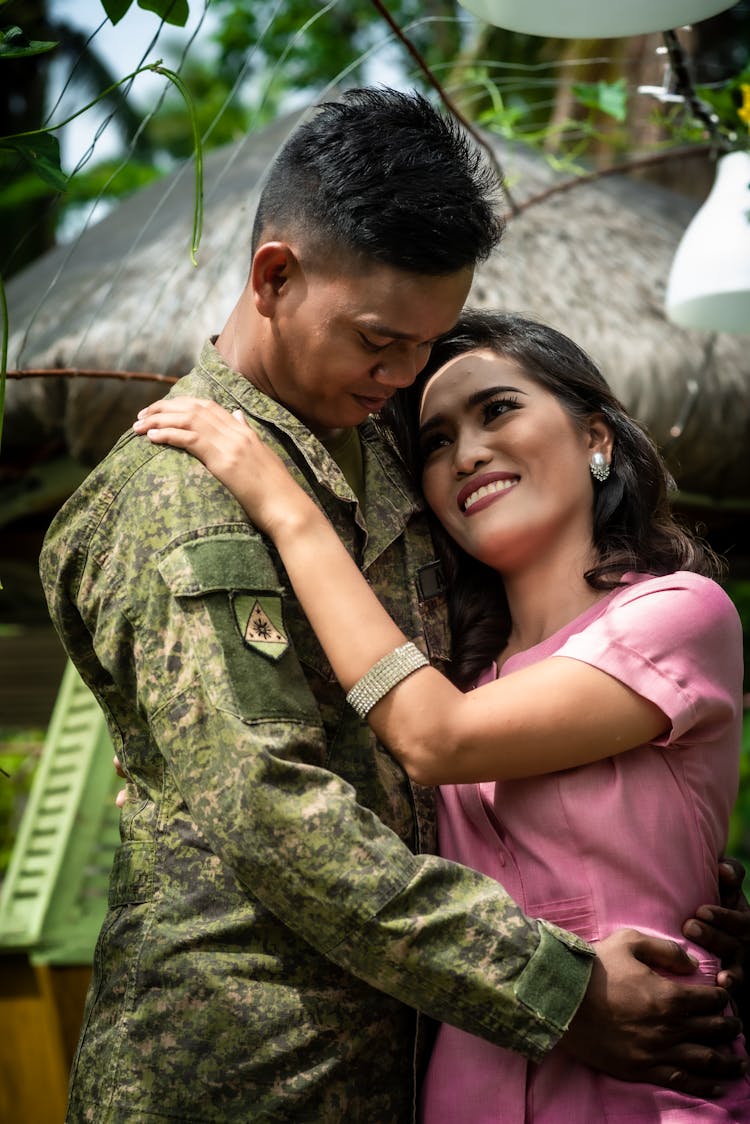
(383, 176)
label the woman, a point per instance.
(593, 768)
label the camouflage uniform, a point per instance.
(274, 919)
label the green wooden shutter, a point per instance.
(54, 895)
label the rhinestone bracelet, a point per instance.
(384, 676)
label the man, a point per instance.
(276, 918)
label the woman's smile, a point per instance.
(487, 487)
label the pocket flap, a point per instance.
(225, 561)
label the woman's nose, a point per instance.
(469, 454)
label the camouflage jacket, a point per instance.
(275, 919)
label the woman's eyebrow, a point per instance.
(475, 399)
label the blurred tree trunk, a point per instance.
(22, 106)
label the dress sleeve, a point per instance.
(676, 641)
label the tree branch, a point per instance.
(87, 373)
(446, 100)
(614, 170)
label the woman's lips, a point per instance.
(484, 489)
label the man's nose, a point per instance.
(398, 369)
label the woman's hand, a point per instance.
(233, 452)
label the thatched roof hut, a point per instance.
(592, 260)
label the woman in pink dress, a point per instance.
(588, 751)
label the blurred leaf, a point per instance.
(608, 97)
(15, 45)
(727, 101)
(42, 153)
(110, 180)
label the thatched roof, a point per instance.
(592, 261)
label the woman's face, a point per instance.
(505, 467)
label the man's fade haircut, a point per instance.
(384, 176)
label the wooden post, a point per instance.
(41, 1007)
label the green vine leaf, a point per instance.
(198, 151)
(42, 153)
(116, 9)
(175, 12)
(15, 45)
(608, 97)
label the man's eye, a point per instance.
(370, 345)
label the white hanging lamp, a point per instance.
(709, 283)
(593, 19)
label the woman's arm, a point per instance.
(559, 713)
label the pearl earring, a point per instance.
(599, 467)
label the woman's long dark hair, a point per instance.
(633, 526)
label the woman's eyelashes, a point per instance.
(431, 443)
(496, 407)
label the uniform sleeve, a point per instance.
(201, 621)
(676, 641)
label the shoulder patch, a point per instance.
(261, 624)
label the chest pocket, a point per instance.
(233, 621)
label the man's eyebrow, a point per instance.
(475, 399)
(379, 329)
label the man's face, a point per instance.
(341, 343)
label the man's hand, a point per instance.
(725, 930)
(636, 1025)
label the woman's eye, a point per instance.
(432, 444)
(497, 407)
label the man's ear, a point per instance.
(273, 265)
(601, 439)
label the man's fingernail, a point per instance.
(693, 929)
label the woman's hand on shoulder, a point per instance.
(231, 450)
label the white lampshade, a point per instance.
(709, 283)
(593, 19)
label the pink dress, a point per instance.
(632, 840)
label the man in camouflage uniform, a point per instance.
(276, 917)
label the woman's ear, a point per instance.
(600, 437)
(273, 265)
